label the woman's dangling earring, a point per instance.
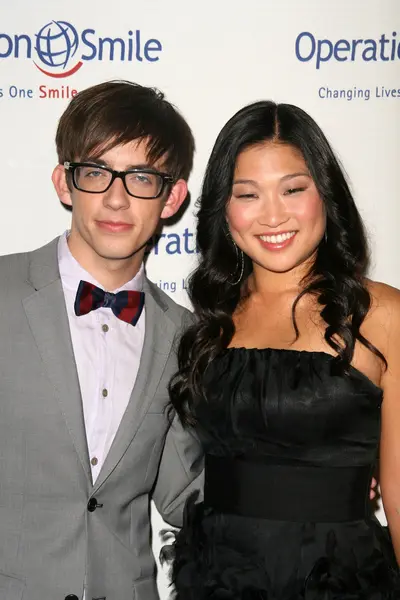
(239, 260)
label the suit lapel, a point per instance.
(159, 336)
(48, 320)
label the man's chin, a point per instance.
(118, 254)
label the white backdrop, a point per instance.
(338, 60)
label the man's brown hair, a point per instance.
(118, 112)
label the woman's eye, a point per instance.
(294, 191)
(246, 196)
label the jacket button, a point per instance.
(92, 505)
(71, 597)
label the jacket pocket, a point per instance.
(11, 588)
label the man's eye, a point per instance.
(93, 173)
(142, 178)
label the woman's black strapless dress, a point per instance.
(290, 451)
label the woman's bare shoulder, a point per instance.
(384, 297)
(383, 318)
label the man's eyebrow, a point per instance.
(141, 166)
(103, 163)
(94, 159)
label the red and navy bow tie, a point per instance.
(126, 305)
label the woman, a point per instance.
(290, 376)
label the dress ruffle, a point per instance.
(204, 566)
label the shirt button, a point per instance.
(94, 461)
(105, 393)
(105, 328)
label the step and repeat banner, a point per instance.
(340, 61)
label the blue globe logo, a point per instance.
(56, 43)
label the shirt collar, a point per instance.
(71, 272)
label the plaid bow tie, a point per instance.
(127, 306)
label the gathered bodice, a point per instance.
(286, 405)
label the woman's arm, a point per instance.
(389, 302)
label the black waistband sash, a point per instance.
(287, 492)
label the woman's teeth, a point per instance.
(277, 239)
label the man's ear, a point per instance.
(59, 180)
(175, 199)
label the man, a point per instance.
(87, 354)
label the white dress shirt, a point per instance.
(107, 355)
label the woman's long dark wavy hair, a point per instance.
(337, 277)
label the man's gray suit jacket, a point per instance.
(57, 528)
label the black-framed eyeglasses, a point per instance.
(97, 179)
